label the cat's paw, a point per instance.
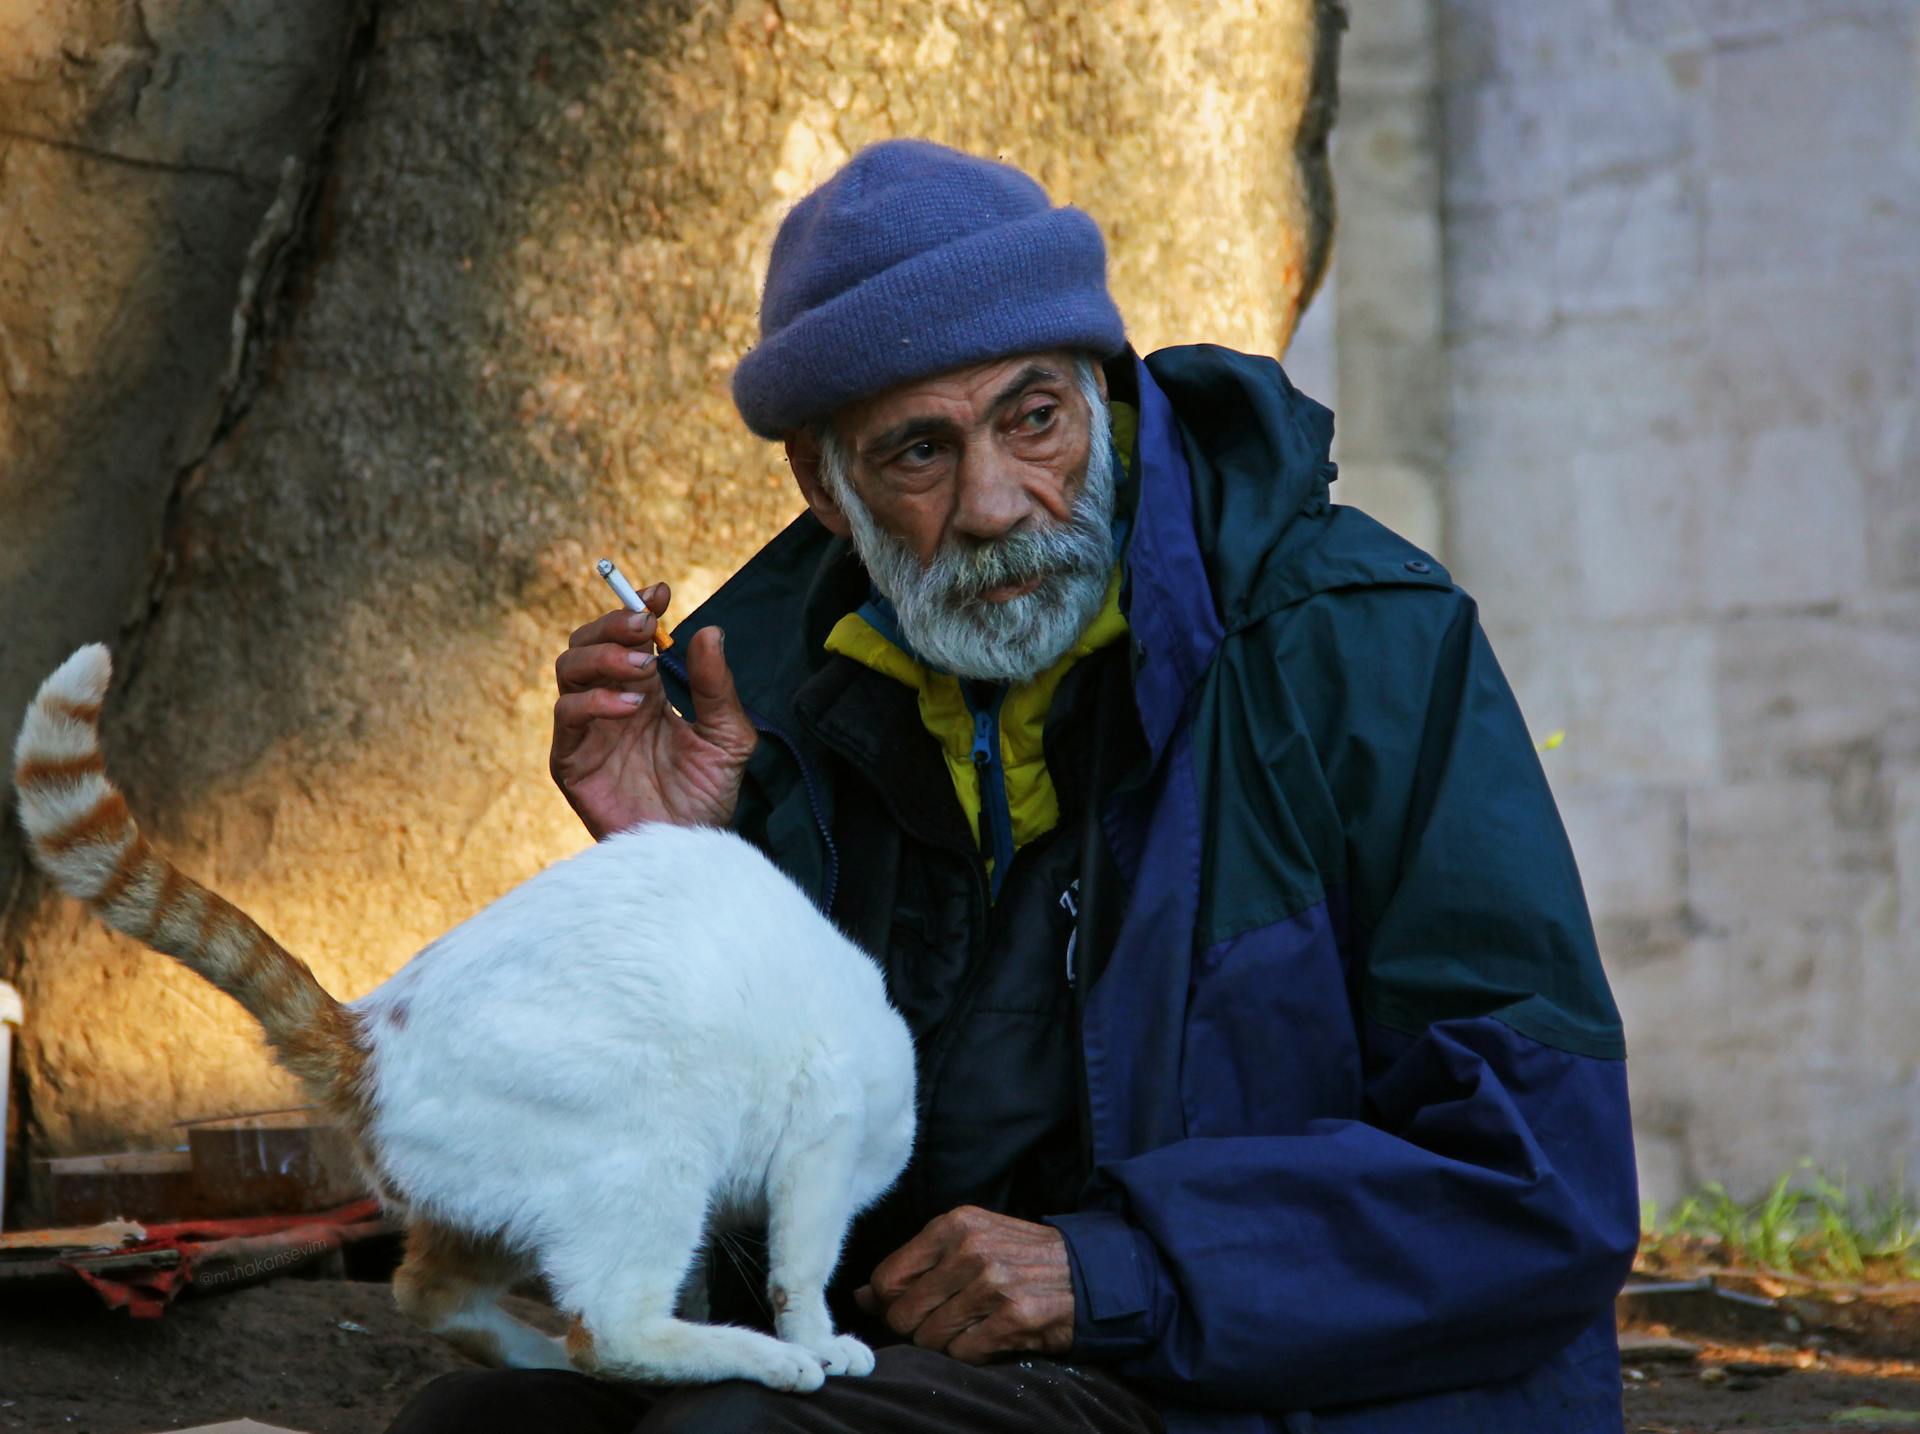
(787, 1366)
(843, 1354)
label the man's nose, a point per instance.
(992, 498)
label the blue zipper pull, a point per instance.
(993, 786)
(982, 741)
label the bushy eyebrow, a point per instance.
(912, 431)
(1027, 377)
(915, 429)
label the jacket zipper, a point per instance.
(992, 775)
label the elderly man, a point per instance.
(1268, 1076)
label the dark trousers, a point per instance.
(912, 1389)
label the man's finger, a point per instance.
(928, 1292)
(602, 665)
(968, 1308)
(621, 626)
(577, 710)
(716, 705)
(982, 1340)
(892, 1275)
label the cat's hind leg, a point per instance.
(809, 1206)
(449, 1283)
(623, 1280)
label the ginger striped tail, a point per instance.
(83, 836)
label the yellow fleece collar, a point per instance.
(1031, 799)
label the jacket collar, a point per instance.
(1168, 594)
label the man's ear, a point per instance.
(803, 456)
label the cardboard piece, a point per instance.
(109, 1235)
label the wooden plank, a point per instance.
(133, 1262)
(108, 1235)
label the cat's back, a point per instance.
(691, 924)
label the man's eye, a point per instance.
(1039, 418)
(919, 453)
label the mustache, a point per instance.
(962, 574)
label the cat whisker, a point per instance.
(731, 1242)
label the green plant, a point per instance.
(1807, 1223)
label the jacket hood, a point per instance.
(1258, 462)
(1259, 470)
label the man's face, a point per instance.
(981, 501)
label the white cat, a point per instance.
(651, 1037)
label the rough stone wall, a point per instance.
(1683, 277)
(143, 152)
(530, 266)
(1391, 402)
(153, 161)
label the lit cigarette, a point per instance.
(629, 599)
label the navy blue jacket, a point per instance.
(1355, 1081)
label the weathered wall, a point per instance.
(1386, 301)
(152, 164)
(1683, 276)
(534, 264)
(141, 154)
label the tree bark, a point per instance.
(518, 272)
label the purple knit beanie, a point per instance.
(912, 260)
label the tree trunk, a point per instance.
(518, 273)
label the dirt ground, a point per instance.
(334, 1357)
(1769, 1387)
(291, 1352)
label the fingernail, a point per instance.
(632, 699)
(722, 639)
(641, 660)
(638, 622)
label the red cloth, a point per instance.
(350, 1214)
(145, 1294)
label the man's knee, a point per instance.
(478, 1401)
(734, 1407)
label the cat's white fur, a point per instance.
(649, 1038)
(653, 1038)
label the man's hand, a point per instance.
(976, 1284)
(621, 754)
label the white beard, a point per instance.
(942, 614)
